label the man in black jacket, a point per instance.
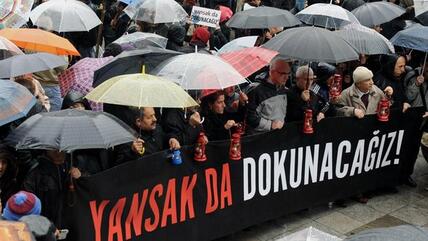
(267, 104)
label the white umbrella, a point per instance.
(309, 234)
(238, 43)
(141, 40)
(326, 15)
(199, 71)
(14, 13)
(366, 40)
(156, 11)
(8, 49)
(420, 6)
(64, 16)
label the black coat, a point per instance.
(175, 124)
(214, 126)
(48, 182)
(296, 106)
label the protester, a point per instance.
(75, 100)
(324, 78)
(20, 204)
(416, 91)
(363, 96)
(8, 173)
(176, 35)
(392, 75)
(267, 106)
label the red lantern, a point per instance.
(200, 149)
(307, 123)
(336, 86)
(235, 147)
(383, 110)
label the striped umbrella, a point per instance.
(15, 101)
(249, 60)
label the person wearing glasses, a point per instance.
(267, 103)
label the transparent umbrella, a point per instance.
(197, 71)
(141, 40)
(309, 234)
(156, 11)
(8, 49)
(14, 13)
(326, 15)
(64, 16)
(238, 43)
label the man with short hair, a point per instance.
(267, 104)
(362, 97)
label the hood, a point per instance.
(388, 64)
(176, 34)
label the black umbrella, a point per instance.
(312, 44)
(131, 62)
(376, 13)
(352, 4)
(263, 17)
(69, 130)
(423, 18)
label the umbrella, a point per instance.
(156, 11)
(39, 40)
(64, 16)
(15, 101)
(398, 233)
(263, 17)
(309, 234)
(249, 60)
(352, 4)
(420, 6)
(14, 13)
(141, 90)
(376, 13)
(226, 13)
(131, 62)
(197, 71)
(140, 40)
(8, 49)
(423, 18)
(312, 44)
(415, 37)
(69, 130)
(238, 43)
(326, 16)
(29, 63)
(366, 40)
(80, 76)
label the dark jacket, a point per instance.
(176, 35)
(296, 106)
(214, 126)
(91, 161)
(385, 77)
(175, 124)
(8, 183)
(48, 182)
(265, 104)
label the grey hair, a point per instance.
(277, 59)
(302, 71)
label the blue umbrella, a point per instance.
(414, 37)
(15, 101)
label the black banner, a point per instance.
(280, 172)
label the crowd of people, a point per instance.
(279, 93)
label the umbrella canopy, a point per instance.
(263, 17)
(312, 44)
(131, 62)
(29, 63)
(197, 71)
(366, 40)
(69, 130)
(39, 40)
(238, 43)
(15, 101)
(420, 6)
(326, 16)
(80, 76)
(414, 37)
(141, 90)
(249, 60)
(309, 234)
(376, 13)
(140, 40)
(423, 18)
(156, 11)
(8, 49)
(64, 16)
(398, 233)
(14, 13)
(352, 4)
